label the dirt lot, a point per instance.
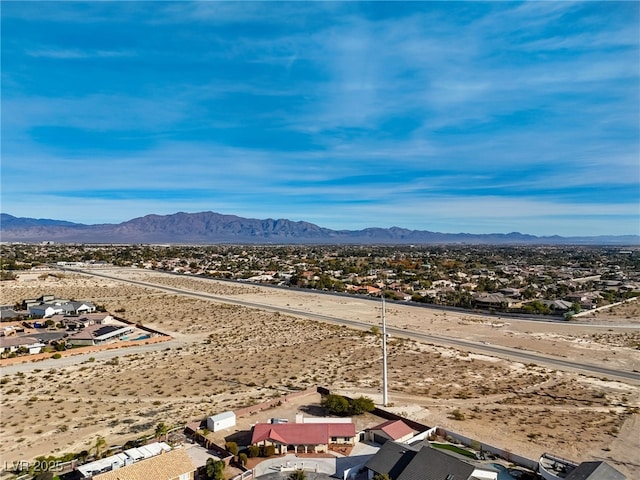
(231, 356)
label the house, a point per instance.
(422, 462)
(595, 471)
(310, 437)
(495, 300)
(48, 305)
(587, 300)
(85, 320)
(221, 421)
(8, 313)
(369, 290)
(394, 430)
(558, 305)
(510, 292)
(13, 344)
(551, 467)
(168, 465)
(45, 310)
(99, 334)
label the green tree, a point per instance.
(298, 475)
(336, 404)
(361, 405)
(242, 459)
(214, 469)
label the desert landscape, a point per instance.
(224, 356)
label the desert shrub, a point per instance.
(232, 448)
(242, 459)
(56, 355)
(269, 451)
(456, 414)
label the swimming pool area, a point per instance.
(503, 472)
(141, 337)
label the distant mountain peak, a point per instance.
(211, 228)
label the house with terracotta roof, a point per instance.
(172, 465)
(303, 437)
(394, 430)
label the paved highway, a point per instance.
(479, 347)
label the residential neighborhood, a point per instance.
(309, 439)
(52, 324)
(540, 280)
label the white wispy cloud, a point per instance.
(70, 54)
(279, 109)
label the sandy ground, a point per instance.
(227, 356)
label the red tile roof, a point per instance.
(301, 433)
(394, 429)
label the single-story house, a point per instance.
(310, 437)
(558, 305)
(403, 462)
(63, 307)
(551, 467)
(12, 344)
(87, 319)
(173, 465)
(495, 300)
(154, 461)
(597, 470)
(394, 430)
(8, 313)
(587, 300)
(45, 310)
(99, 334)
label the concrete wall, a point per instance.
(241, 412)
(82, 350)
(504, 454)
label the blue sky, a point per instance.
(447, 116)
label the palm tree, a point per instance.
(161, 430)
(99, 445)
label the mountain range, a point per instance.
(212, 228)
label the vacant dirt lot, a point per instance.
(230, 356)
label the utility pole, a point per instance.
(384, 356)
